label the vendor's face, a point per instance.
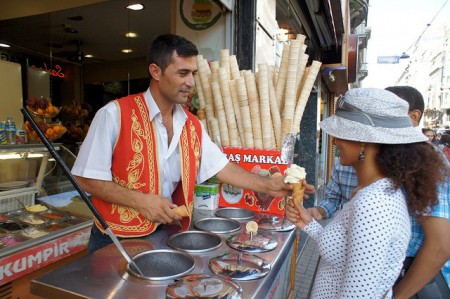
(177, 81)
(348, 151)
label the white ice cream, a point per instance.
(294, 174)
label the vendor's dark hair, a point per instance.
(404, 164)
(411, 95)
(161, 49)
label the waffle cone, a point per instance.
(182, 211)
(298, 192)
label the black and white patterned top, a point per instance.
(362, 249)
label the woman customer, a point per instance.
(363, 247)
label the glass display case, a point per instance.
(42, 219)
(22, 170)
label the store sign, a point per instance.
(55, 72)
(263, 162)
(30, 259)
(388, 59)
(199, 14)
(251, 158)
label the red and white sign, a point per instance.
(261, 162)
(28, 260)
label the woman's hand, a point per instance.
(317, 213)
(297, 214)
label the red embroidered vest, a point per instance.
(135, 166)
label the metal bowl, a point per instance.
(239, 266)
(162, 264)
(218, 225)
(235, 213)
(275, 223)
(270, 219)
(195, 241)
(203, 286)
(261, 242)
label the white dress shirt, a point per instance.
(95, 156)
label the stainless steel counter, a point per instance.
(101, 274)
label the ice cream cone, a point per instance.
(298, 192)
(182, 211)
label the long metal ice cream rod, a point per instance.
(287, 156)
(77, 186)
(287, 148)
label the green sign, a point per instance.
(201, 14)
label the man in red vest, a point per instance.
(144, 153)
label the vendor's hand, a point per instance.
(316, 212)
(297, 214)
(157, 208)
(277, 187)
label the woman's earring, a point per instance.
(362, 154)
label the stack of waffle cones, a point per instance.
(255, 110)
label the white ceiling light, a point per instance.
(3, 45)
(131, 34)
(135, 6)
(126, 50)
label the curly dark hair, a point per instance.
(405, 165)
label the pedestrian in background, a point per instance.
(437, 138)
(430, 134)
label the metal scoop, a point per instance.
(83, 194)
